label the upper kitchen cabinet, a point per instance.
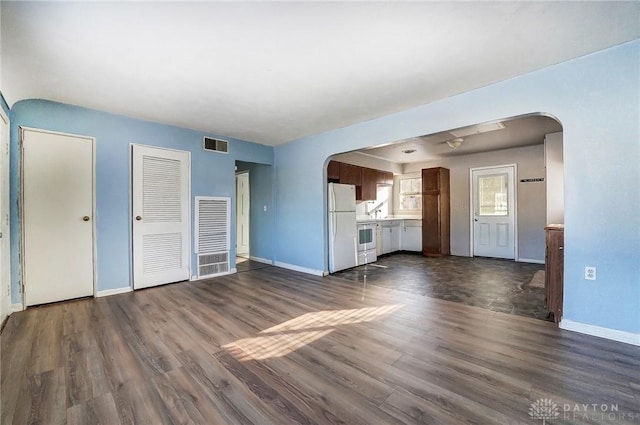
(369, 184)
(333, 172)
(384, 177)
(350, 174)
(435, 212)
(366, 180)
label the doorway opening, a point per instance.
(253, 215)
(529, 192)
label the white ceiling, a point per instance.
(517, 132)
(272, 72)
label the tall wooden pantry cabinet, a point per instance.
(435, 212)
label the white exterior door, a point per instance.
(161, 219)
(57, 216)
(242, 214)
(493, 212)
(5, 267)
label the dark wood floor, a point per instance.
(245, 265)
(491, 283)
(271, 346)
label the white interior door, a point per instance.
(5, 267)
(493, 212)
(161, 219)
(57, 216)
(242, 214)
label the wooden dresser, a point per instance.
(554, 270)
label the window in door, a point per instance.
(493, 195)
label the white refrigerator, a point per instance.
(343, 243)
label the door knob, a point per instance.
(138, 218)
(475, 219)
(86, 218)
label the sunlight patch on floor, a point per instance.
(294, 334)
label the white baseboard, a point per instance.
(613, 334)
(108, 292)
(529, 260)
(196, 278)
(299, 269)
(15, 308)
(261, 260)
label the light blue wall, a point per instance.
(212, 174)
(597, 100)
(261, 221)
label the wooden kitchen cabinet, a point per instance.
(436, 226)
(384, 177)
(333, 172)
(554, 270)
(366, 180)
(350, 174)
(369, 184)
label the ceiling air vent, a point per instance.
(477, 129)
(216, 145)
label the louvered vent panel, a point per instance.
(162, 184)
(216, 145)
(211, 265)
(213, 232)
(162, 252)
(212, 235)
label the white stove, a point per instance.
(366, 243)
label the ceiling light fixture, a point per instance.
(408, 151)
(455, 143)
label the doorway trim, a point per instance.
(515, 206)
(21, 130)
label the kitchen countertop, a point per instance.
(379, 220)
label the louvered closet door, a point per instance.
(161, 219)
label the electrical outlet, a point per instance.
(590, 273)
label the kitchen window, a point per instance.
(410, 195)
